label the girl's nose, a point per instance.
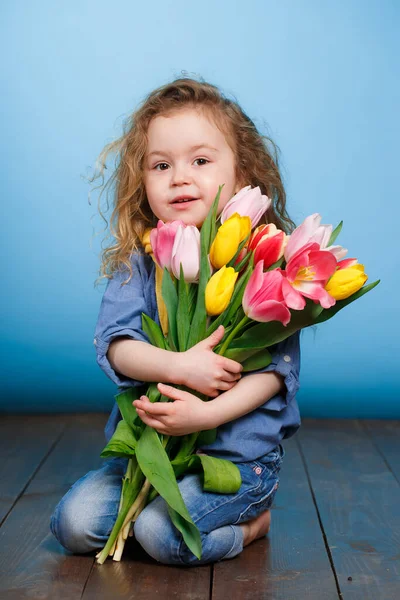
(180, 175)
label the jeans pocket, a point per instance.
(263, 503)
(274, 458)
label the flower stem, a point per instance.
(233, 333)
(130, 496)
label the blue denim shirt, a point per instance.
(244, 439)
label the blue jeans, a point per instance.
(83, 519)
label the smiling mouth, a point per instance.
(184, 200)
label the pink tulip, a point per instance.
(162, 241)
(186, 251)
(268, 243)
(348, 262)
(306, 274)
(248, 203)
(263, 299)
(311, 231)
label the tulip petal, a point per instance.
(270, 249)
(293, 298)
(270, 310)
(347, 262)
(338, 251)
(316, 291)
(302, 234)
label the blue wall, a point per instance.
(323, 78)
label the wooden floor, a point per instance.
(335, 520)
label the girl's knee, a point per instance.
(157, 535)
(72, 525)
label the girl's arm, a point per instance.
(247, 395)
(276, 385)
(123, 350)
(199, 368)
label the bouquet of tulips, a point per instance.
(262, 286)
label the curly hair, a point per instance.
(256, 164)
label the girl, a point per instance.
(185, 141)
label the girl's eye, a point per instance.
(161, 164)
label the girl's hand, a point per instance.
(186, 415)
(203, 370)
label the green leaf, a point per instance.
(170, 298)
(328, 313)
(182, 317)
(213, 219)
(186, 446)
(153, 392)
(231, 263)
(206, 437)
(153, 331)
(192, 300)
(243, 263)
(263, 335)
(156, 466)
(124, 401)
(199, 323)
(123, 442)
(220, 476)
(259, 360)
(335, 233)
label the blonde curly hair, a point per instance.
(256, 164)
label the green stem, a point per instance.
(130, 496)
(232, 334)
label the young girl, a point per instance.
(185, 141)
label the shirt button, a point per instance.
(287, 358)
(257, 470)
(94, 341)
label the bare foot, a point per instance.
(256, 528)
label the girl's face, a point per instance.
(187, 156)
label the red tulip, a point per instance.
(268, 243)
(306, 274)
(263, 299)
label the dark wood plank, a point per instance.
(386, 436)
(33, 563)
(358, 499)
(25, 440)
(291, 561)
(138, 576)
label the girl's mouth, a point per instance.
(184, 202)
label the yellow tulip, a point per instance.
(219, 290)
(346, 282)
(229, 235)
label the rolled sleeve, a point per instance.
(286, 362)
(120, 315)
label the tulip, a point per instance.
(263, 299)
(248, 203)
(228, 238)
(311, 231)
(186, 252)
(306, 274)
(346, 281)
(348, 262)
(268, 243)
(219, 290)
(162, 241)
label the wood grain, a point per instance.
(358, 499)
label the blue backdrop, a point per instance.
(322, 80)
